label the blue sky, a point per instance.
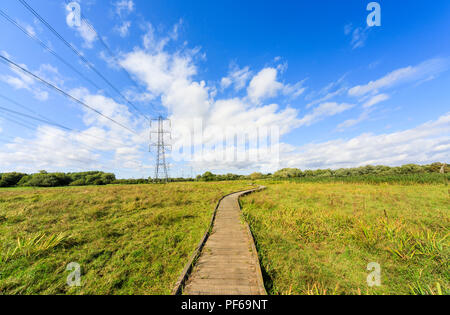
(341, 94)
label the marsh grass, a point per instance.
(318, 238)
(127, 239)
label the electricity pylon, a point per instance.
(161, 136)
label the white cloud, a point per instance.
(294, 90)
(426, 143)
(124, 29)
(327, 97)
(54, 149)
(27, 27)
(50, 149)
(348, 28)
(352, 122)
(324, 110)
(264, 85)
(328, 92)
(427, 69)
(375, 100)
(152, 43)
(23, 81)
(236, 77)
(171, 77)
(175, 30)
(358, 35)
(124, 6)
(88, 34)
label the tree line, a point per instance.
(380, 170)
(44, 179)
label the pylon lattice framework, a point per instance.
(161, 146)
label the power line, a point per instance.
(27, 108)
(34, 118)
(48, 121)
(90, 65)
(46, 47)
(30, 127)
(108, 49)
(69, 158)
(12, 64)
(8, 140)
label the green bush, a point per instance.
(49, 180)
(10, 179)
(289, 173)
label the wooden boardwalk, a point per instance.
(228, 263)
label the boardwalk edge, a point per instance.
(178, 288)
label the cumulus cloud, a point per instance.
(426, 143)
(55, 149)
(236, 77)
(171, 77)
(264, 85)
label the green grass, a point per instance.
(318, 238)
(127, 239)
(404, 179)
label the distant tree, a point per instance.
(411, 169)
(10, 179)
(256, 176)
(208, 177)
(288, 173)
(49, 180)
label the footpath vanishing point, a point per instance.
(226, 261)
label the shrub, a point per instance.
(10, 179)
(288, 173)
(49, 180)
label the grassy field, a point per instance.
(409, 179)
(318, 238)
(127, 239)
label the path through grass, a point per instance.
(318, 238)
(127, 239)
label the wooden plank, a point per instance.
(228, 263)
